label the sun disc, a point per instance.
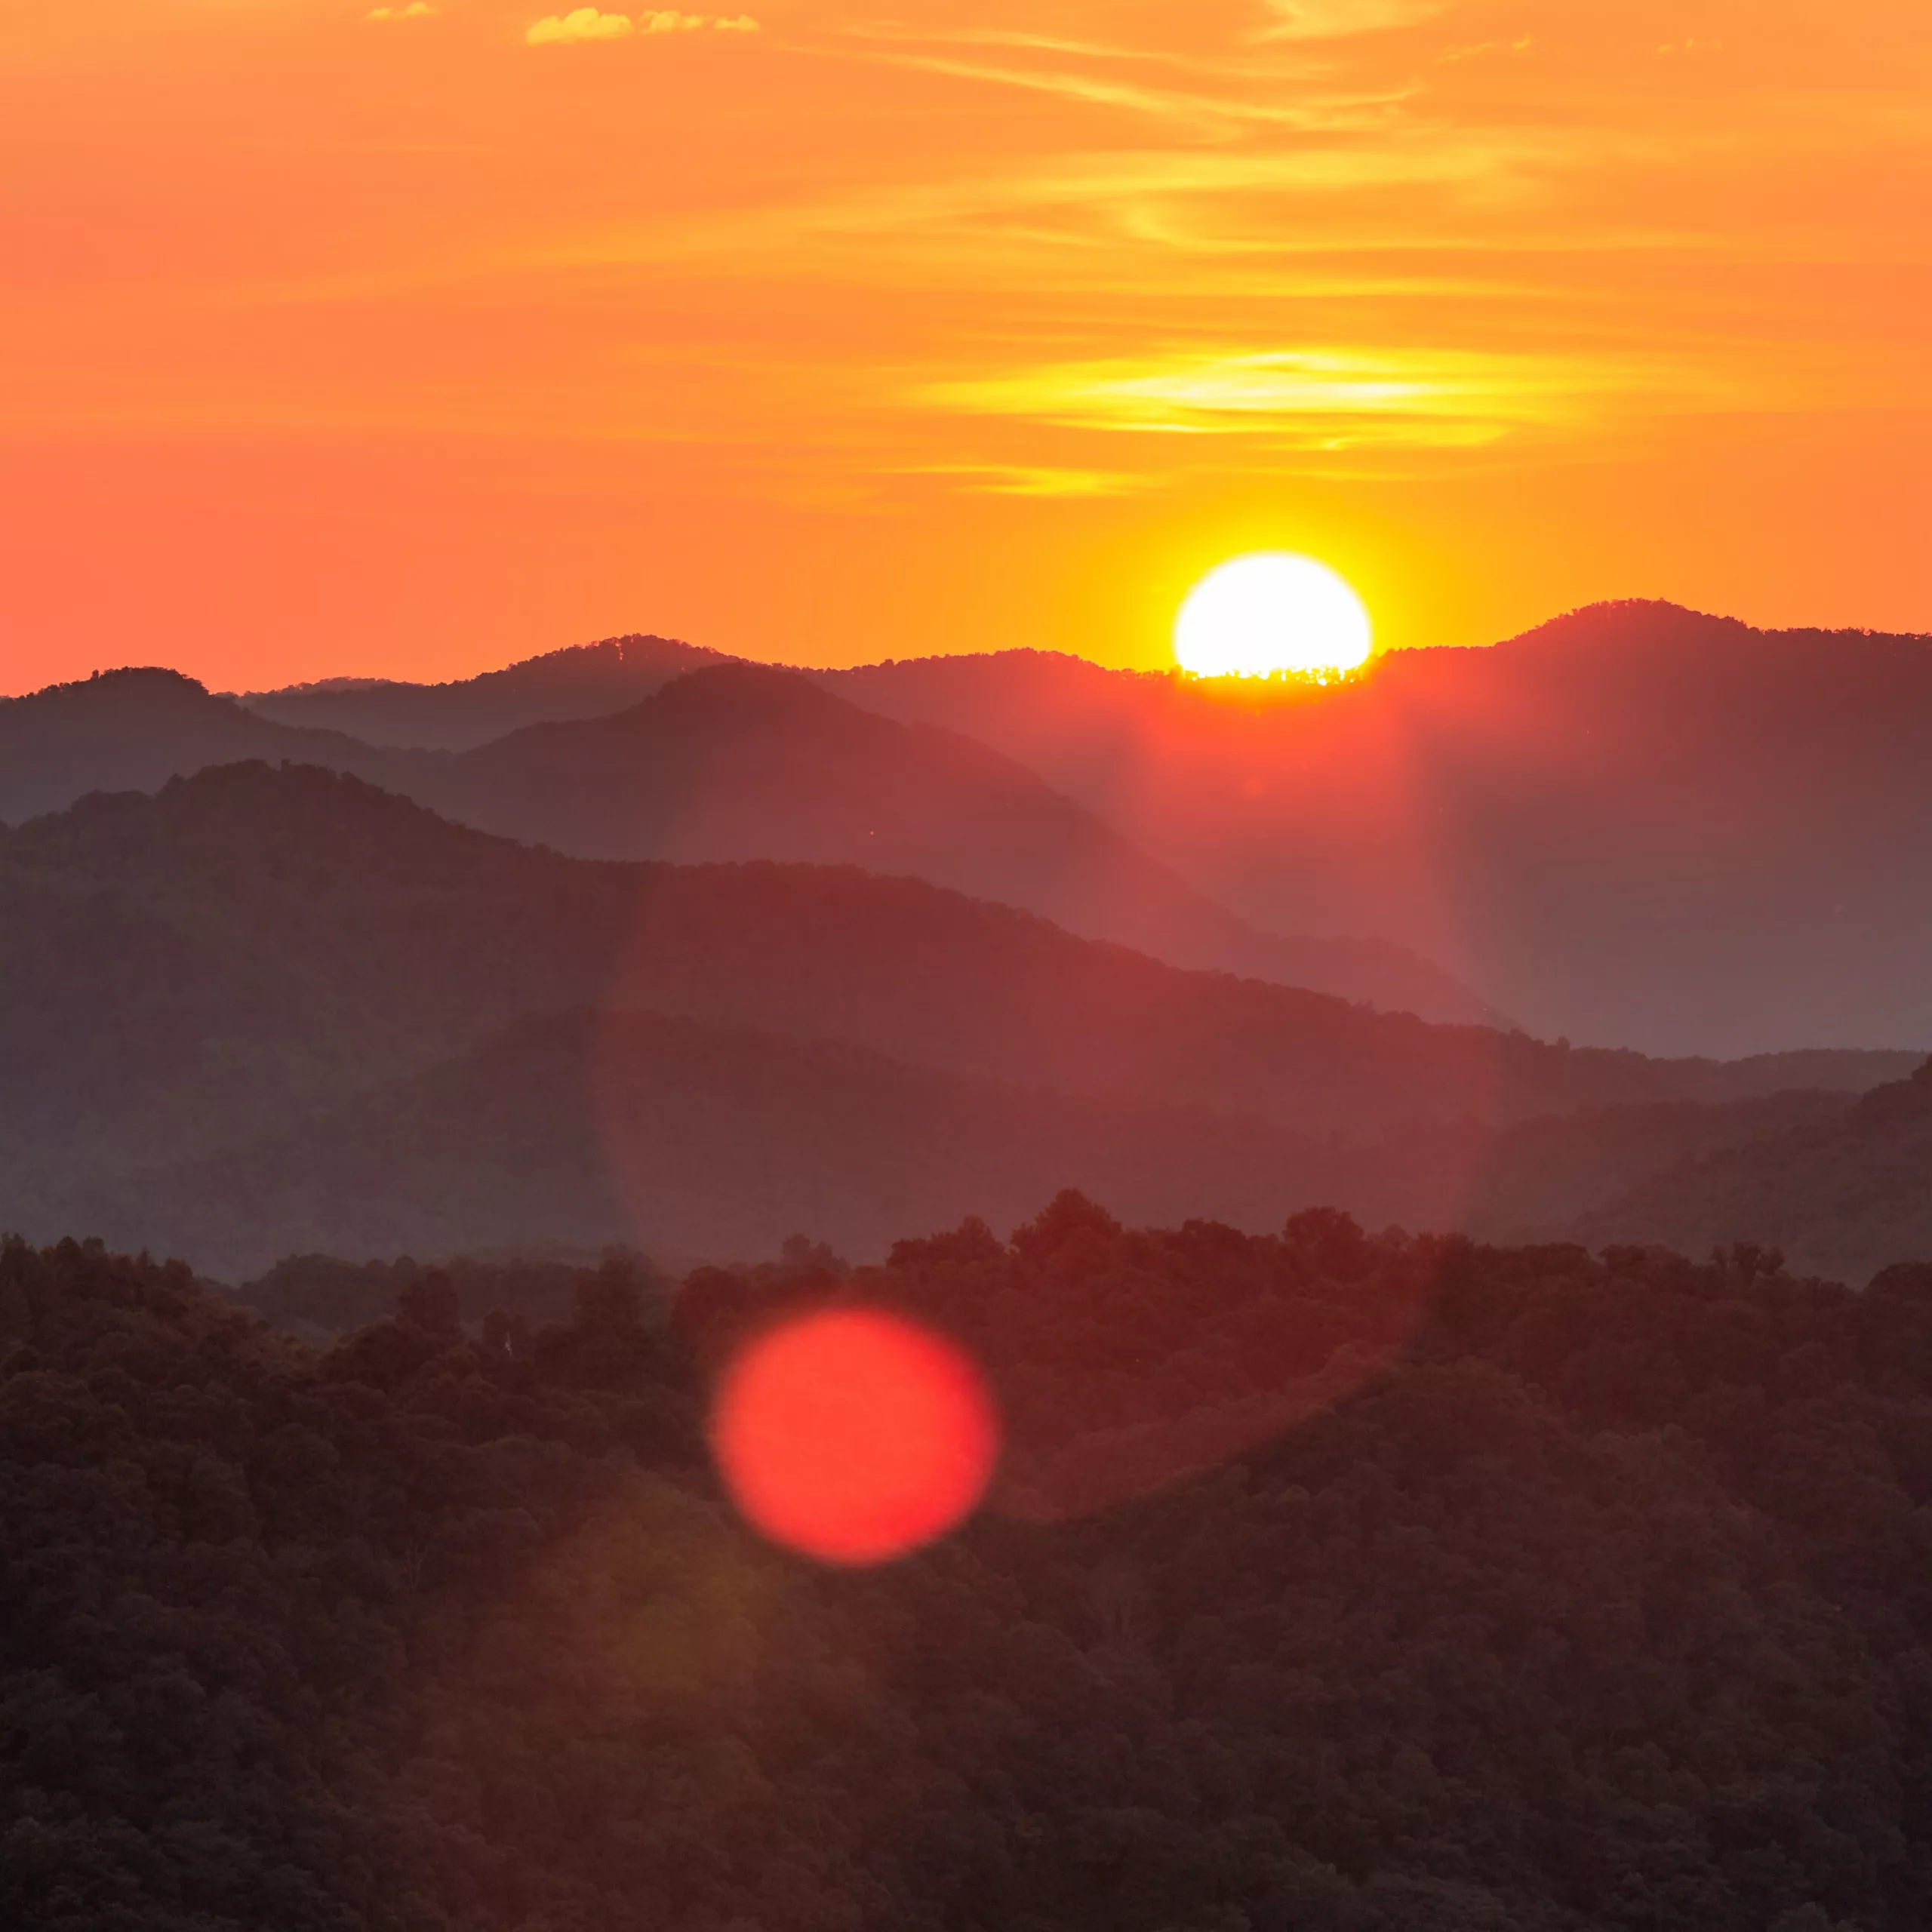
(1270, 611)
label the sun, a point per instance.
(1272, 611)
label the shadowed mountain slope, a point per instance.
(1635, 824)
(586, 680)
(1844, 1196)
(720, 1142)
(202, 975)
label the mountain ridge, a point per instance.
(747, 761)
(1635, 824)
(187, 976)
(580, 680)
(730, 761)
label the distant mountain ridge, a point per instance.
(583, 680)
(747, 761)
(1634, 823)
(133, 730)
(733, 761)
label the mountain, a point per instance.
(737, 761)
(1635, 823)
(586, 680)
(132, 730)
(1844, 1196)
(266, 1002)
(747, 761)
(594, 1129)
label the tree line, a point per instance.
(1386, 1583)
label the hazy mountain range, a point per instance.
(1634, 825)
(276, 1008)
(633, 942)
(587, 681)
(737, 761)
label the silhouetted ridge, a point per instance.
(760, 763)
(584, 681)
(133, 730)
(292, 822)
(146, 682)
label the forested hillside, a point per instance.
(1390, 1585)
(709, 1141)
(1842, 1195)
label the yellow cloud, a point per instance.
(1315, 399)
(586, 23)
(416, 10)
(1204, 112)
(1029, 480)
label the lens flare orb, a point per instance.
(1270, 612)
(854, 1435)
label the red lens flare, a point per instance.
(853, 1435)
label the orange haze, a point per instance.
(340, 339)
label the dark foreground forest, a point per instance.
(1384, 1585)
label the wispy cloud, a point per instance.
(898, 32)
(1317, 398)
(416, 10)
(1202, 112)
(1006, 479)
(586, 23)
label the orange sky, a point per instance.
(339, 343)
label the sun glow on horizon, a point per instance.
(464, 330)
(1268, 612)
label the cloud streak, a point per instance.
(587, 23)
(1334, 398)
